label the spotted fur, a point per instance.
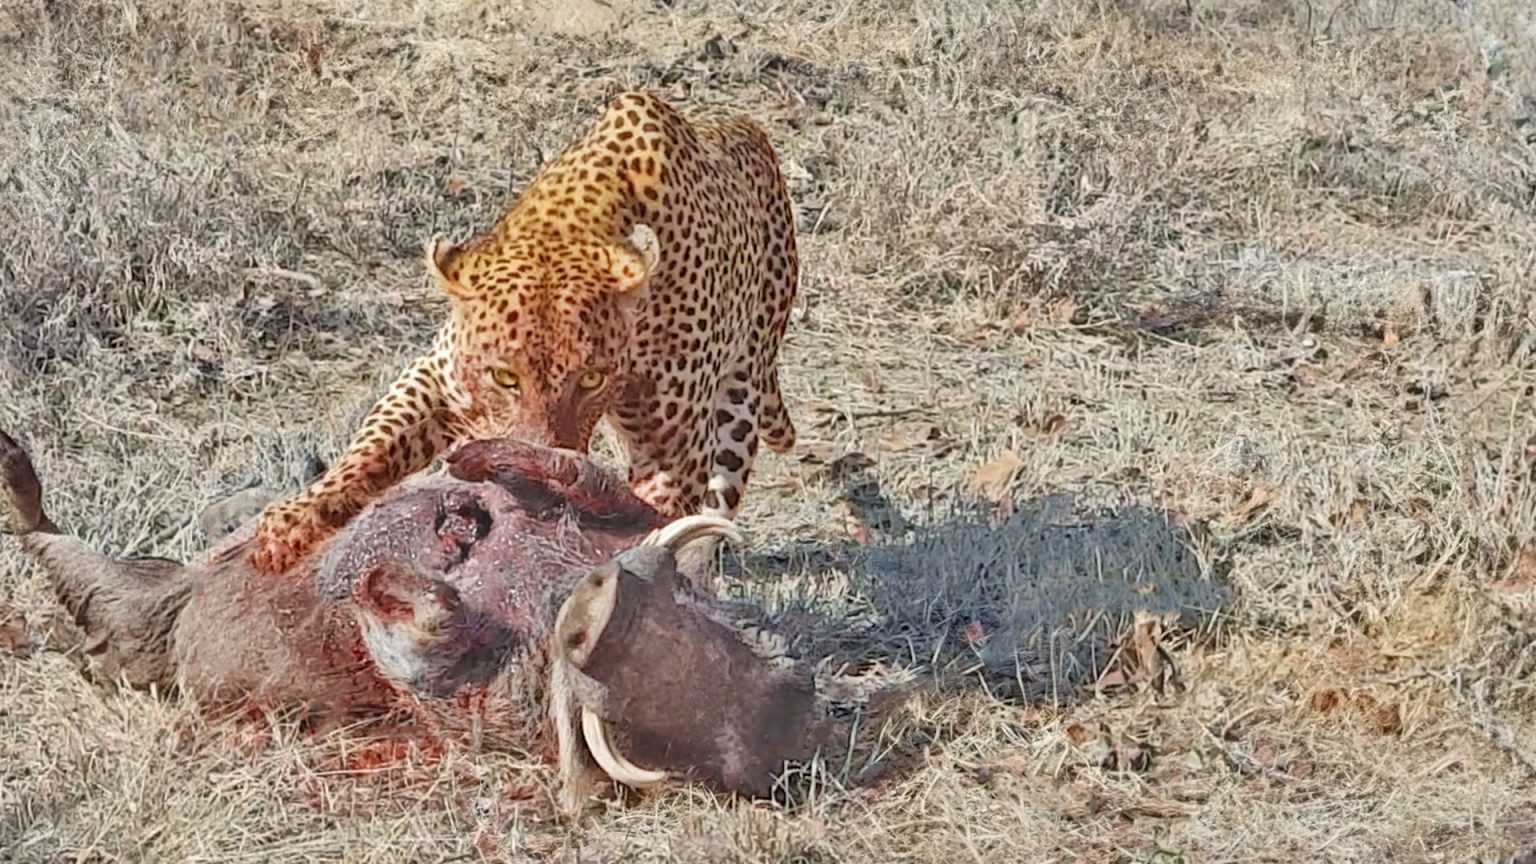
(646, 274)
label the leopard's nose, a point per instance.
(565, 432)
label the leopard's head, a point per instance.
(543, 326)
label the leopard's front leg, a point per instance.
(664, 476)
(403, 432)
(670, 463)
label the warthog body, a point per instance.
(524, 599)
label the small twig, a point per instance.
(1221, 748)
(121, 431)
(868, 413)
(281, 273)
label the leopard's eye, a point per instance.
(505, 378)
(592, 379)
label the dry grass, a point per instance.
(1266, 266)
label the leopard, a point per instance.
(646, 274)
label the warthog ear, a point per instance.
(402, 614)
(586, 613)
(393, 592)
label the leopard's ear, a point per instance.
(635, 258)
(442, 259)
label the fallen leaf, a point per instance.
(1521, 575)
(1306, 374)
(1021, 321)
(1054, 424)
(1358, 511)
(486, 845)
(1062, 310)
(1325, 701)
(974, 633)
(1077, 733)
(931, 438)
(848, 466)
(1525, 564)
(1111, 679)
(1258, 498)
(312, 58)
(1388, 336)
(1016, 763)
(1355, 514)
(996, 477)
(1301, 767)
(1126, 754)
(13, 633)
(856, 528)
(1138, 657)
(455, 184)
(1386, 720)
(1265, 754)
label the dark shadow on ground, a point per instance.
(1029, 609)
(1026, 607)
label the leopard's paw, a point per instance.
(283, 538)
(663, 496)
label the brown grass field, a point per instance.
(1164, 373)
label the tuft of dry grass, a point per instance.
(1125, 325)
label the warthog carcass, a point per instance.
(522, 599)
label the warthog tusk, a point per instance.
(680, 532)
(613, 763)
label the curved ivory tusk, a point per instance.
(595, 731)
(680, 532)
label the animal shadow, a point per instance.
(1033, 609)
(1029, 607)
